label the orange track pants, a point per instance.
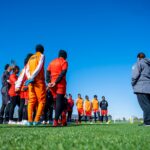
(37, 95)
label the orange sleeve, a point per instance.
(65, 65)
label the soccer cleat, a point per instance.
(108, 122)
(36, 123)
(55, 123)
(29, 124)
(64, 120)
(44, 122)
(24, 122)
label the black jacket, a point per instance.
(103, 105)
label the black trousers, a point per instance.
(69, 116)
(95, 116)
(48, 113)
(48, 110)
(25, 112)
(60, 103)
(79, 117)
(14, 102)
(102, 118)
(88, 117)
(20, 111)
(4, 111)
(144, 101)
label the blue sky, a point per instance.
(102, 39)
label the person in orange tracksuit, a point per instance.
(88, 109)
(79, 104)
(15, 99)
(56, 79)
(36, 85)
(23, 90)
(95, 105)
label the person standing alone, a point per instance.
(141, 85)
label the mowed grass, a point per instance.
(82, 137)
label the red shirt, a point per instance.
(55, 68)
(13, 78)
(70, 104)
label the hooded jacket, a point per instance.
(141, 76)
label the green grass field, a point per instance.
(82, 137)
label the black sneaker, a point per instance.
(147, 125)
(143, 124)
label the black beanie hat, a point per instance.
(63, 53)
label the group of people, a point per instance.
(37, 94)
(30, 92)
(86, 107)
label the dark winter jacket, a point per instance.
(103, 105)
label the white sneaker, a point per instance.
(19, 123)
(11, 122)
(24, 122)
(44, 122)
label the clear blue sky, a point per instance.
(102, 39)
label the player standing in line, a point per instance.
(70, 107)
(104, 111)
(95, 107)
(79, 105)
(88, 109)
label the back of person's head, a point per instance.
(103, 97)
(16, 69)
(39, 48)
(95, 96)
(6, 66)
(79, 95)
(27, 58)
(63, 54)
(141, 55)
(70, 95)
(86, 97)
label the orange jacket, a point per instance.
(87, 106)
(35, 68)
(95, 104)
(13, 78)
(79, 103)
(55, 68)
